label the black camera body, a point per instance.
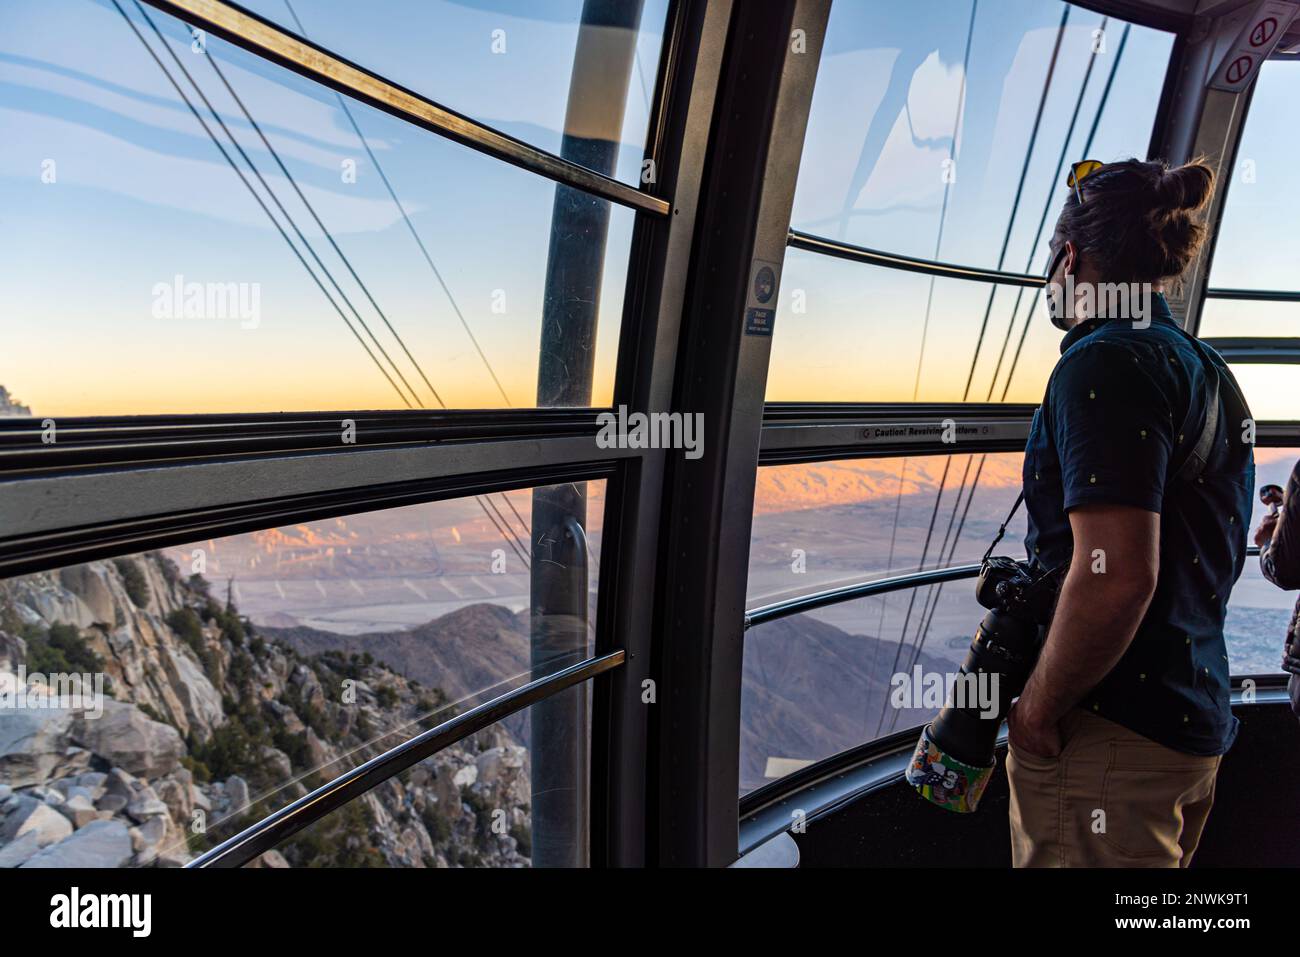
(1013, 587)
(954, 759)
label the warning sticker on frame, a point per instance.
(1260, 33)
(760, 300)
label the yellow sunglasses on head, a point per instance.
(1079, 172)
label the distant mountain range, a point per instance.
(811, 690)
(785, 488)
(11, 406)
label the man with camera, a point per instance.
(1137, 485)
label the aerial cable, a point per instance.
(490, 509)
(912, 598)
(365, 144)
(274, 222)
(1119, 53)
(1087, 147)
(958, 114)
(508, 534)
(936, 591)
(411, 227)
(1020, 188)
(284, 212)
(347, 263)
(1051, 191)
(1042, 102)
(329, 237)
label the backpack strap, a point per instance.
(1194, 463)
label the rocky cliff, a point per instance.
(207, 725)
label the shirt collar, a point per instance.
(1160, 313)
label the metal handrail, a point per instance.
(878, 586)
(270, 41)
(813, 243)
(931, 267)
(284, 823)
(833, 596)
(1256, 295)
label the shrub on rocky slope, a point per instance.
(212, 725)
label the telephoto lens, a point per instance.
(954, 758)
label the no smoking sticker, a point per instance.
(1259, 34)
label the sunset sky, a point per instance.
(142, 195)
(112, 189)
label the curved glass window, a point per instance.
(817, 683)
(849, 332)
(218, 681)
(505, 64)
(924, 113)
(1256, 248)
(1270, 390)
(1245, 317)
(145, 277)
(926, 139)
(819, 525)
(469, 805)
(1259, 611)
(820, 682)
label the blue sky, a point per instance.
(140, 195)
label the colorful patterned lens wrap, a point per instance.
(943, 780)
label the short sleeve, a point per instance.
(1113, 428)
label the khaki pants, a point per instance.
(1111, 798)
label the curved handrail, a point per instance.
(833, 596)
(877, 586)
(930, 267)
(288, 820)
(811, 242)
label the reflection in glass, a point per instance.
(240, 673)
(174, 284)
(924, 112)
(945, 111)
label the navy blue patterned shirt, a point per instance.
(1123, 407)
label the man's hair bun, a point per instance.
(1185, 187)
(1139, 221)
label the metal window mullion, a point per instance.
(43, 504)
(63, 546)
(648, 345)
